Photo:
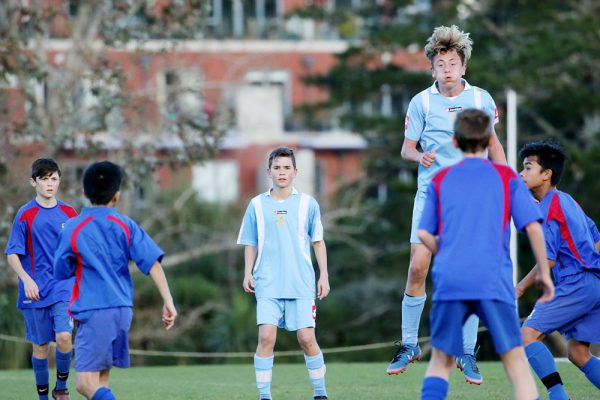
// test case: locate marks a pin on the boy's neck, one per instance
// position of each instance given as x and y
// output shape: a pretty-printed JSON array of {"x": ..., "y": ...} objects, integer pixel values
[
  {"x": 477, "y": 154},
  {"x": 451, "y": 91},
  {"x": 46, "y": 202},
  {"x": 281, "y": 193},
  {"x": 541, "y": 191}
]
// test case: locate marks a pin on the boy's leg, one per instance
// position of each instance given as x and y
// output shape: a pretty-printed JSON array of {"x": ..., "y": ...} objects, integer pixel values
[
  {"x": 517, "y": 370},
  {"x": 263, "y": 359},
  {"x": 435, "y": 383},
  {"x": 468, "y": 361},
  {"x": 39, "y": 362},
  {"x": 38, "y": 330},
  {"x": 63, "y": 326},
  {"x": 580, "y": 355},
  {"x": 88, "y": 384},
  {"x": 315, "y": 363}
]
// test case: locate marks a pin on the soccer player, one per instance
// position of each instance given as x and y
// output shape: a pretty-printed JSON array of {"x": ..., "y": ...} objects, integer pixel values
[
  {"x": 96, "y": 247},
  {"x": 469, "y": 207},
  {"x": 428, "y": 124},
  {"x": 42, "y": 299},
  {"x": 277, "y": 230},
  {"x": 572, "y": 245}
]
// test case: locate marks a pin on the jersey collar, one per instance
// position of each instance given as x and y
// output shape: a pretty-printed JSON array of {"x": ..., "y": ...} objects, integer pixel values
[
  {"x": 434, "y": 89},
  {"x": 268, "y": 193}
]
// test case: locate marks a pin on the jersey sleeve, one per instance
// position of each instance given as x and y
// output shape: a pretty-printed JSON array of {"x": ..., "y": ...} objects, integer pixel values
[
  {"x": 522, "y": 207},
  {"x": 64, "y": 258},
  {"x": 414, "y": 122},
  {"x": 593, "y": 229},
  {"x": 143, "y": 250},
  {"x": 430, "y": 218},
  {"x": 248, "y": 235},
  {"x": 17, "y": 241},
  {"x": 315, "y": 227},
  {"x": 489, "y": 106}
]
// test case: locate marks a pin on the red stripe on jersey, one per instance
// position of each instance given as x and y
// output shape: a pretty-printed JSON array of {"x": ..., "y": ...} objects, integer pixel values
[
  {"x": 29, "y": 216},
  {"x": 555, "y": 213},
  {"x": 437, "y": 184},
  {"x": 79, "y": 261},
  {"x": 68, "y": 210},
  {"x": 506, "y": 175},
  {"x": 122, "y": 225}
]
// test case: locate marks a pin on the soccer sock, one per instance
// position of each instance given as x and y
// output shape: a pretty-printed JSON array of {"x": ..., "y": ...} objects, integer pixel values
[
  {"x": 264, "y": 373},
  {"x": 412, "y": 308},
  {"x": 40, "y": 370},
  {"x": 316, "y": 372},
  {"x": 103, "y": 393},
  {"x": 434, "y": 388},
  {"x": 543, "y": 364},
  {"x": 591, "y": 369},
  {"x": 63, "y": 364},
  {"x": 469, "y": 332}
]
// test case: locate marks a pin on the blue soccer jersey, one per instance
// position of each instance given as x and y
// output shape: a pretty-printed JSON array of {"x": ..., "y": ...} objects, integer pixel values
[
  {"x": 282, "y": 233},
  {"x": 430, "y": 121},
  {"x": 96, "y": 248},
  {"x": 469, "y": 207},
  {"x": 571, "y": 236},
  {"x": 34, "y": 238}
]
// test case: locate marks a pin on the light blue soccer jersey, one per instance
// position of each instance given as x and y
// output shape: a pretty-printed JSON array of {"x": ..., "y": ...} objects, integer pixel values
[
  {"x": 282, "y": 232},
  {"x": 430, "y": 121}
]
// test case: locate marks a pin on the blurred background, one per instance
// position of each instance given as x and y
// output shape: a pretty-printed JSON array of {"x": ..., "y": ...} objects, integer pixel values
[{"x": 190, "y": 96}]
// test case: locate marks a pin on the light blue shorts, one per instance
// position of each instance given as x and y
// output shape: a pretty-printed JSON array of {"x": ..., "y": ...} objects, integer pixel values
[
  {"x": 290, "y": 314},
  {"x": 418, "y": 207},
  {"x": 41, "y": 324}
]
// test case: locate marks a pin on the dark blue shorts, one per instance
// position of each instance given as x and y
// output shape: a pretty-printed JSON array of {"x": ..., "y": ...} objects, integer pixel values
[
  {"x": 448, "y": 317},
  {"x": 102, "y": 341},
  {"x": 42, "y": 324},
  {"x": 574, "y": 311}
]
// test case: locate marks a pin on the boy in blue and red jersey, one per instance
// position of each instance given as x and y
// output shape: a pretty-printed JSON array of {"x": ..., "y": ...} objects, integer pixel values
[
  {"x": 96, "y": 247},
  {"x": 469, "y": 207},
  {"x": 43, "y": 299},
  {"x": 572, "y": 245}
]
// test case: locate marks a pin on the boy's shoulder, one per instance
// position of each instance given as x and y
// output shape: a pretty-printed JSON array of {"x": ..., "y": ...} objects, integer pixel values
[{"x": 27, "y": 206}]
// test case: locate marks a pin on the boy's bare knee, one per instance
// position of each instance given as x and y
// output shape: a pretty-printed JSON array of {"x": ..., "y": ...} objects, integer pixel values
[
  {"x": 63, "y": 341},
  {"x": 530, "y": 335},
  {"x": 40, "y": 351},
  {"x": 578, "y": 353},
  {"x": 307, "y": 340}
]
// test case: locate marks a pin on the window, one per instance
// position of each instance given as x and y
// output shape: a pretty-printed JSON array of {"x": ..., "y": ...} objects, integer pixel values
[
  {"x": 216, "y": 180},
  {"x": 180, "y": 93}
]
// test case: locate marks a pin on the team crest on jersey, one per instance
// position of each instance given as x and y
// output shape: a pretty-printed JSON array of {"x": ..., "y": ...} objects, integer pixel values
[
  {"x": 280, "y": 217},
  {"x": 454, "y": 109},
  {"x": 406, "y": 119}
]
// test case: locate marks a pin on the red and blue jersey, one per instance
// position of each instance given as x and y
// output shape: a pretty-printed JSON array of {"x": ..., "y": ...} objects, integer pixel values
[
  {"x": 96, "y": 248},
  {"x": 571, "y": 236},
  {"x": 469, "y": 206},
  {"x": 34, "y": 238}
]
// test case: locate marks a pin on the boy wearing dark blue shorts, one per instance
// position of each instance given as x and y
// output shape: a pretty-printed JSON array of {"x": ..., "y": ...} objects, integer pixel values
[
  {"x": 96, "y": 248},
  {"x": 572, "y": 244},
  {"x": 43, "y": 299},
  {"x": 468, "y": 208}
]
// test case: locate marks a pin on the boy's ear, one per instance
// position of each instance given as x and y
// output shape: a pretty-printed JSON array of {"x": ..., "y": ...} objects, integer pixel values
[
  {"x": 32, "y": 182},
  {"x": 547, "y": 174},
  {"x": 116, "y": 197},
  {"x": 454, "y": 141}
]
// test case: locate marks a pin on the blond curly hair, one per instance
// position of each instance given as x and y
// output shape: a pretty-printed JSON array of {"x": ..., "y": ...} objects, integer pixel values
[{"x": 448, "y": 38}]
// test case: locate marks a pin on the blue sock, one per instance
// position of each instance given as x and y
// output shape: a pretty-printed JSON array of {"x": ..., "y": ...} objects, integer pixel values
[
  {"x": 434, "y": 388},
  {"x": 103, "y": 393},
  {"x": 40, "y": 370},
  {"x": 591, "y": 369},
  {"x": 316, "y": 372},
  {"x": 263, "y": 367},
  {"x": 469, "y": 332},
  {"x": 543, "y": 364},
  {"x": 412, "y": 308},
  {"x": 63, "y": 365}
]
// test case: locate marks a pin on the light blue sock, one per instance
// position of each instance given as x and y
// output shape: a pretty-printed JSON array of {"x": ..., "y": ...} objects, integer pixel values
[
  {"x": 263, "y": 367},
  {"x": 103, "y": 393},
  {"x": 469, "y": 332},
  {"x": 543, "y": 364},
  {"x": 412, "y": 308},
  {"x": 63, "y": 365},
  {"x": 316, "y": 372},
  {"x": 591, "y": 369},
  {"x": 40, "y": 370},
  {"x": 434, "y": 388}
]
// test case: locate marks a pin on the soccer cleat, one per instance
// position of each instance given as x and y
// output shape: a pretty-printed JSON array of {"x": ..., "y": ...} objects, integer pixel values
[
  {"x": 60, "y": 394},
  {"x": 467, "y": 363},
  {"x": 320, "y": 397},
  {"x": 404, "y": 356}
]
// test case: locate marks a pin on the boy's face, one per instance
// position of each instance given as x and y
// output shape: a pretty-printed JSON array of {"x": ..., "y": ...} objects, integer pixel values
[
  {"x": 447, "y": 68},
  {"x": 282, "y": 172},
  {"x": 533, "y": 174},
  {"x": 46, "y": 186}
]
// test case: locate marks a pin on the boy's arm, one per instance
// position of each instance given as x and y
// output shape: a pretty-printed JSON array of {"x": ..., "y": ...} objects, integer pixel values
[
  {"x": 321, "y": 256},
  {"x": 249, "y": 259},
  {"x": 32, "y": 292},
  {"x": 542, "y": 275},
  {"x": 496, "y": 150},
  {"x": 428, "y": 240},
  {"x": 409, "y": 152},
  {"x": 160, "y": 280}
]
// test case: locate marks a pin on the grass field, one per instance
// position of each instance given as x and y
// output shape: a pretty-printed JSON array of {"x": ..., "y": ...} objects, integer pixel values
[{"x": 346, "y": 381}]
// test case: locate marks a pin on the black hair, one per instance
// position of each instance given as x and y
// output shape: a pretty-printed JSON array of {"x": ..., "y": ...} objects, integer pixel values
[
  {"x": 282, "y": 152},
  {"x": 101, "y": 180},
  {"x": 472, "y": 130},
  {"x": 550, "y": 155},
  {"x": 43, "y": 167}
]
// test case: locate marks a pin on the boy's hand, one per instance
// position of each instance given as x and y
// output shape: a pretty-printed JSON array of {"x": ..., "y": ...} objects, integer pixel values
[
  {"x": 248, "y": 284},
  {"x": 544, "y": 282},
  {"x": 323, "y": 287},
  {"x": 169, "y": 315},
  {"x": 427, "y": 159},
  {"x": 519, "y": 290},
  {"x": 32, "y": 292}
]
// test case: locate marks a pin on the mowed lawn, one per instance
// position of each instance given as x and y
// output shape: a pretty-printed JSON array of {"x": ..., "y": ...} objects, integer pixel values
[{"x": 346, "y": 381}]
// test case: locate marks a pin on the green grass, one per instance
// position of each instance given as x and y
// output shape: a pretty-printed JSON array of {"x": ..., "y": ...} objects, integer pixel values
[{"x": 345, "y": 381}]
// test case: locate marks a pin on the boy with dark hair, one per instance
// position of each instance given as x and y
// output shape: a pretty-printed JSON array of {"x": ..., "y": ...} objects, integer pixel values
[
  {"x": 469, "y": 207},
  {"x": 572, "y": 245},
  {"x": 43, "y": 299},
  {"x": 96, "y": 248},
  {"x": 277, "y": 230}
]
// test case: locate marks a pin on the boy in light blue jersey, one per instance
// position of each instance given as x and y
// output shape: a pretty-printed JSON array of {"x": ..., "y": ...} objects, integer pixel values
[
  {"x": 277, "y": 231},
  {"x": 429, "y": 124}
]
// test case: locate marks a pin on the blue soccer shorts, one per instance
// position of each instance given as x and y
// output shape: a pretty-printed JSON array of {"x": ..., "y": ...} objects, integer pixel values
[
  {"x": 418, "y": 207},
  {"x": 289, "y": 314},
  {"x": 102, "y": 340},
  {"x": 574, "y": 311},
  {"x": 42, "y": 324},
  {"x": 448, "y": 317}
]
